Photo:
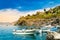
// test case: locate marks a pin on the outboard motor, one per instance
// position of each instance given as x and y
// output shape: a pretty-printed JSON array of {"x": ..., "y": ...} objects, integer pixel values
[{"x": 37, "y": 32}]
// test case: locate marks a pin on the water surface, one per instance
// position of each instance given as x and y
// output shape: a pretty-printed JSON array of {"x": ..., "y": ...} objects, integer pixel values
[{"x": 6, "y": 33}]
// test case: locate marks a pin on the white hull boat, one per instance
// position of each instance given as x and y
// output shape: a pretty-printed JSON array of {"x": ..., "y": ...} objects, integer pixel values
[{"x": 30, "y": 31}]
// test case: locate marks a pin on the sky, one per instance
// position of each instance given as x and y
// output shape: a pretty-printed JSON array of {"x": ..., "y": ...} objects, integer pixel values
[{"x": 11, "y": 10}]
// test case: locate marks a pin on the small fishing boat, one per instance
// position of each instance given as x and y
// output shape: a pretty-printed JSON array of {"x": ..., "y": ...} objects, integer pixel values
[{"x": 24, "y": 31}]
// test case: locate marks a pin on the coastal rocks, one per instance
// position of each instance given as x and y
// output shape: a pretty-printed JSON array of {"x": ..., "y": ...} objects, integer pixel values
[
  {"x": 39, "y": 22},
  {"x": 52, "y": 16},
  {"x": 56, "y": 21},
  {"x": 50, "y": 37}
]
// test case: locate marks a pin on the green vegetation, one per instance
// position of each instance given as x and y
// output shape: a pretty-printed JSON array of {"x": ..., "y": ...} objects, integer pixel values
[{"x": 40, "y": 17}]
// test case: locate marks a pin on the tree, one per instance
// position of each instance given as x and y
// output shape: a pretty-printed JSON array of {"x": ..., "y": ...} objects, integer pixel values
[
  {"x": 44, "y": 10},
  {"x": 28, "y": 15},
  {"x": 37, "y": 13}
]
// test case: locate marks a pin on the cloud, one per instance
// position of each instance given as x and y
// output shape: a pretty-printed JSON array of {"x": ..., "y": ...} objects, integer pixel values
[
  {"x": 34, "y": 11},
  {"x": 55, "y": 5},
  {"x": 11, "y": 15},
  {"x": 47, "y": 9}
]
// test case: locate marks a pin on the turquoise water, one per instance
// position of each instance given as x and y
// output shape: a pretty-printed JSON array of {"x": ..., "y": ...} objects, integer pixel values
[{"x": 6, "y": 33}]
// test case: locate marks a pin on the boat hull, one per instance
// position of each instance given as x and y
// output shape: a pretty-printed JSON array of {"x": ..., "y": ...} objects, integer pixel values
[{"x": 24, "y": 32}]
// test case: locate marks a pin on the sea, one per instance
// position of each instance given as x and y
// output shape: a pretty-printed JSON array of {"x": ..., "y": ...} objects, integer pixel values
[{"x": 6, "y": 33}]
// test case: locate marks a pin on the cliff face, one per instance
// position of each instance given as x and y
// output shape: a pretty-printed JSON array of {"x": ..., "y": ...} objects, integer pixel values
[{"x": 41, "y": 18}]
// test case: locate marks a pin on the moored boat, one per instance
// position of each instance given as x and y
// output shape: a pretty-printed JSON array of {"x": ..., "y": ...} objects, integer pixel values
[{"x": 24, "y": 31}]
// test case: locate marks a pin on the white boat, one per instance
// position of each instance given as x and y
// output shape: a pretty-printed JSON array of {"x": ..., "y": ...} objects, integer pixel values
[{"x": 26, "y": 31}]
